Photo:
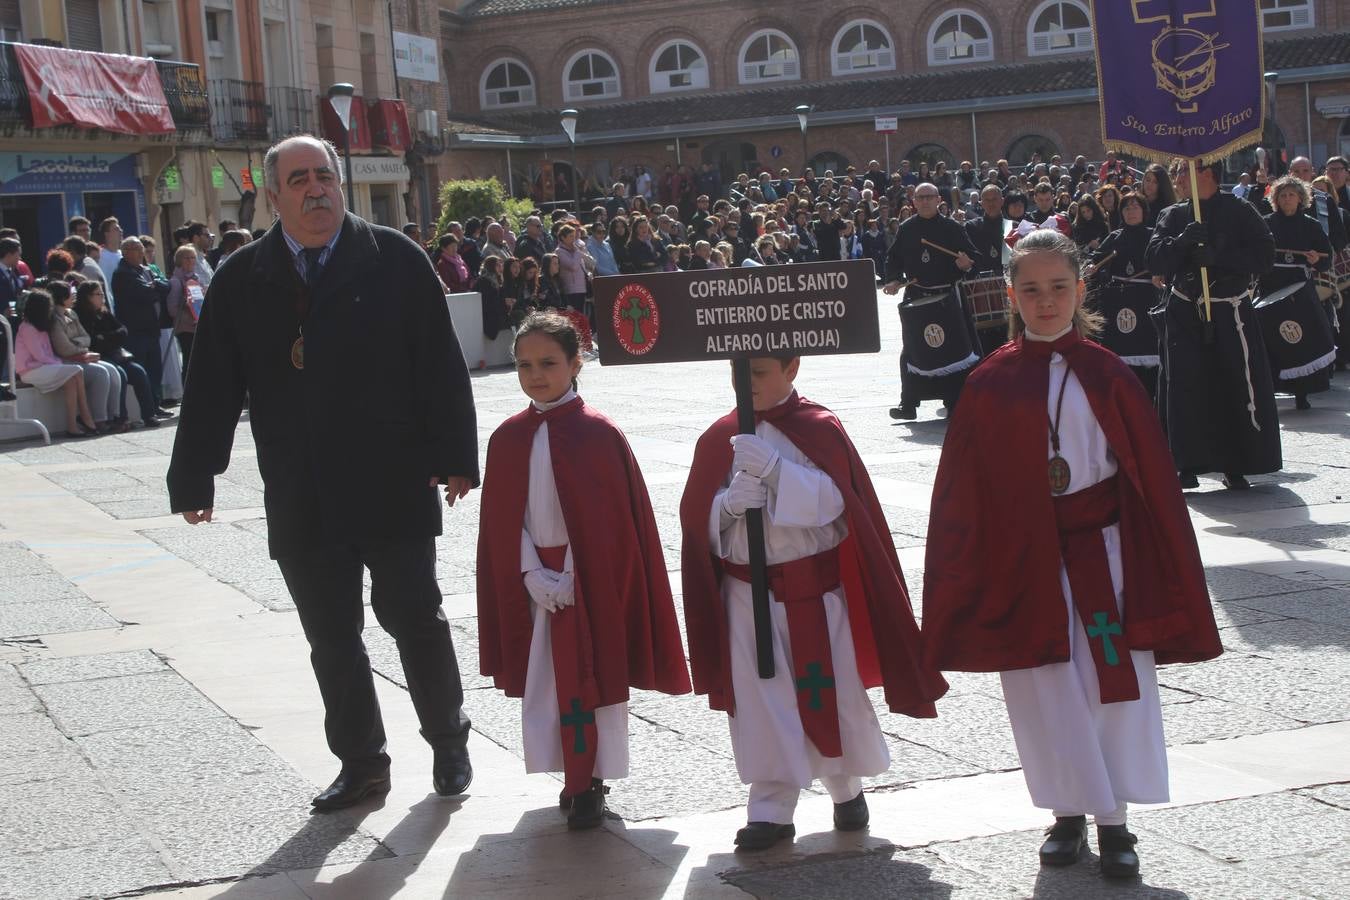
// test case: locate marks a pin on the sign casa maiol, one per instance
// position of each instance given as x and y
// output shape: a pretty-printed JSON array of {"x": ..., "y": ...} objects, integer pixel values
[{"x": 804, "y": 309}]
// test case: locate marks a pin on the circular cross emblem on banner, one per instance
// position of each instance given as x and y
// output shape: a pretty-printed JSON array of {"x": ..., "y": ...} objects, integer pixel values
[
  {"x": 637, "y": 321},
  {"x": 1291, "y": 331},
  {"x": 1126, "y": 321},
  {"x": 934, "y": 336}
]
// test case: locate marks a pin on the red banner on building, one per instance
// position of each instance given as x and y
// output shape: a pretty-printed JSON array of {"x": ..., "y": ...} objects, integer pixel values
[
  {"x": 360, "y": 125},
  {"x": 94, "y": 90},
  {"x": 389, "y": 125}
]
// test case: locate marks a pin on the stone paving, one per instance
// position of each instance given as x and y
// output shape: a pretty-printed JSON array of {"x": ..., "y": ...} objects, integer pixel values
[{"x": 161, "y": 733}]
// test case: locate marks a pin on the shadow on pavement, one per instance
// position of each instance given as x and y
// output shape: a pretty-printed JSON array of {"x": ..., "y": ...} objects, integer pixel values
[{"x": 1085, "y": 880}]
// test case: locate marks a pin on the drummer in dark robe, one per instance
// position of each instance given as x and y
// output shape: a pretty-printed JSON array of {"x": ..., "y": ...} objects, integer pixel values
[
  {"x": 928, "y": 257},
  {"x": 1301, "y": 248},
  {"x": 1123, "y": 291},
  {"x": 987, "y": 232},
  {"x": 1215, "y": 394}
]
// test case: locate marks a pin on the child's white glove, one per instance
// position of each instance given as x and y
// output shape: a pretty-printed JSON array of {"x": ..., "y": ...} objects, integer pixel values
[
  {"x": 745, "y": 492},
  {"x": 542, "y": 586},
  {"x": 755, "y": 456},
  {"x": 565, "y": 594}
]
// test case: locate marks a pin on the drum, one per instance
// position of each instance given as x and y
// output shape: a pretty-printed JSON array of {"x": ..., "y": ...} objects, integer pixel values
[
  {"x": 1326, "y": 289},
  {"x": 1297, "y": 334},
  {"x": 987, "y": 300},
  {"x": 1340, "y": 267},
  {"x": 1129, "y": 331},
  {"x": 936, "y": 335}
]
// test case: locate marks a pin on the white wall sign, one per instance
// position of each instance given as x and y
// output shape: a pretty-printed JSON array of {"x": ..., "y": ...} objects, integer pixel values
[
  {"x": 367, "y": 169},
  {"x": 887, "y": 124},
  {"x": 415, "y": 57}
]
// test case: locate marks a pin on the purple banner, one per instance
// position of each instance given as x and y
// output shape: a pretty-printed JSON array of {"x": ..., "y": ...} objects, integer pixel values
[{"x": 1179, "y": 77}]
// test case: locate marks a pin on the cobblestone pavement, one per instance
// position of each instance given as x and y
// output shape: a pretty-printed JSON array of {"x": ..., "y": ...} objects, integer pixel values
[{"x": 161, "y": 732}]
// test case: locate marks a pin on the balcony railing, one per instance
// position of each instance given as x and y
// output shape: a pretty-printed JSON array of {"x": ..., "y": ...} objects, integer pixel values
[
  {"x": 238, "y": 110},
  {"x": 291, "y": 112},
  {"x": 184, "y": 90}
]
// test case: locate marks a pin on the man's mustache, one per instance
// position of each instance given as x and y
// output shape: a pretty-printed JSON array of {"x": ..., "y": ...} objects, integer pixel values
[{"x": 313, "y": 203}]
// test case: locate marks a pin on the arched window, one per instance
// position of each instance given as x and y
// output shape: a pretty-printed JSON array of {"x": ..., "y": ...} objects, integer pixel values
[
  {"x": 1277, "y": 15},
  {"x": 1024, "y": 148},
  {"x": 1059, "y": 26},
  {"x": 929, "y": 153},
  {"x": 960, "y": 36},
  {"x": 829, "y": 161},
  {"x": 590, "y": 75},
  {"x": 678, "y": 66},
  {"x": 769, "y": 56},
  {"x": 862, "y": 46},
  {"x": 507, "y": 82}
]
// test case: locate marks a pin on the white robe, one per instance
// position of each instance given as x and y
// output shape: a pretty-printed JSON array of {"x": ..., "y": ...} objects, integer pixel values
[
  {"x": 540, "y": 730},
  {"x": 804, "y": 516},
  {"x": 1079, "y": 755}
]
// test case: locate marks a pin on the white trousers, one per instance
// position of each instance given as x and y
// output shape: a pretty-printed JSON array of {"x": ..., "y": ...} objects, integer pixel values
[{"x": 103, "y": 388}]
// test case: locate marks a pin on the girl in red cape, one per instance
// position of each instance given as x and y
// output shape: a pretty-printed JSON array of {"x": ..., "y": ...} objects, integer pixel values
[
  {"x": 1060, "y": 553},
  {"x": 574, "y": 605}
]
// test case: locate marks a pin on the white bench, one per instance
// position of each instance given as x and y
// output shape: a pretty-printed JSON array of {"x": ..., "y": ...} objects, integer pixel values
[
  {"x": 17, "y": 421},
  {"x": 466, "y": 314}
]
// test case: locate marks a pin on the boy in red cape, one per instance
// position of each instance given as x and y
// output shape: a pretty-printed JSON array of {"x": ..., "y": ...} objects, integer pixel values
[
  {"x": 841, "y": 620},
  {"x": 1075, "y": 587},
  {"x": 574, "y": 605}
]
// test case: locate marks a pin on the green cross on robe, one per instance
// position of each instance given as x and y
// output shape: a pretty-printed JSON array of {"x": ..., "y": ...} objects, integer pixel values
[
  {"x": 1104, "y": 631},
  {"x": 635, "y": 313},
  {"x": 815, "y": 683},
  {"x": 577, "y": 720}
]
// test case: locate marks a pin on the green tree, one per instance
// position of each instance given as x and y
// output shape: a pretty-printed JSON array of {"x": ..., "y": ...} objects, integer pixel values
[{"x": 479, "y": 197}]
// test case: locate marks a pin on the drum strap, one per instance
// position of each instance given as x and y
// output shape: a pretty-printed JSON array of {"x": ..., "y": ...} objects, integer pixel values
[{"x": 1235, "y": 303}]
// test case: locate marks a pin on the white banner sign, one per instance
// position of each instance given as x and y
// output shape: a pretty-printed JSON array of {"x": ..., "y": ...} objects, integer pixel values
[
  {"x": 366, "y": 169},
  {"x": 887, "y": 124},
  {"x": 415, "y": 57}
]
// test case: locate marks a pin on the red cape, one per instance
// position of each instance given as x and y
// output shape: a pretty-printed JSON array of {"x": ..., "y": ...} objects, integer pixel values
[
  {"x": 885, "y": 638},
  {"x": 992, "y": 599},
  {"x": 619, "y": 568}
]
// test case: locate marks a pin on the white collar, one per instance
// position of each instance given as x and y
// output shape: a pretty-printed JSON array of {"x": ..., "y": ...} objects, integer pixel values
[
  {"x": 1044, "y": 339},
  {"x": 554, "y": 404}
]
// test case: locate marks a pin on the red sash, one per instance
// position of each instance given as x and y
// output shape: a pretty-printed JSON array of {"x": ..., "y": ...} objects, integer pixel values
[
  {"x": 800, "y": 586},
  {"x": 576, "y": 712},
  {"x": 1081, "y": 517}
]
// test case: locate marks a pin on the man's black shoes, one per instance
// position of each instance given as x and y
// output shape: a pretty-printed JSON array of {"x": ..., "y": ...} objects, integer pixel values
[
  {"x": 763, "y": 835},
  {"x": 851, "y": 815},
  {"x": 587, "y": 809},
  {"x": 350, "y": 788},
  {"x": 451, "y": 772},
  {"x": 1115, "y": 845},
  {"x": 1065, "y": 841},
  {"x": 1189, "y": 481},
  {"x": 906, "y": 413},
  {"x": 1236, "y": 482}
]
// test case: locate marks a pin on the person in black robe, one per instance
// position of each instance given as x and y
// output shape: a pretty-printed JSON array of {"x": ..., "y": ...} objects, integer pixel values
[
  {"x": 1302, "y": 248},
  {"x": 827, "y": 229},
  {"x": 1215, "y": 394},
  {"x": 987, "y": 232},
  {"x": 929, "y": 270},
  {"x": 1120, "y": 280}
]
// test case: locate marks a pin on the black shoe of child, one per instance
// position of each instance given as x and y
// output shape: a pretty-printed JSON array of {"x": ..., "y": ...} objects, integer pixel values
[
  {"x": 1301, "y": 402},
  {"x": 1115, "y": 845},
  {"x": 763, "y": 835},
  {"x": 908, "y": 413},
  {"x": 1189, "y": 481},
  {"x": 1065, "y": 841},
  {"x": 564, "y": 801},
  {"x": 1235, "y": 482},
  {"x": 851, "y": 815},
  {"x": 588, "y": 807}
]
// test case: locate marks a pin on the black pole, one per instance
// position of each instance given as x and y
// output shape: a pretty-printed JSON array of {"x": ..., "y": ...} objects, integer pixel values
[
  {"x": 806, "y": 160},
  {"x": 576, "y": 183},
  {"x": 754, "y": 522},
  {"x": 347, "y": 154}
]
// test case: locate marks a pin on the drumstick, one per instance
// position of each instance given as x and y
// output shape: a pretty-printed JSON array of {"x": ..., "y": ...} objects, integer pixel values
[
  {"x": 951, "y": 253},
  {"x": 1092, "y": 269},
  {"x": 1319, "y": 253}
]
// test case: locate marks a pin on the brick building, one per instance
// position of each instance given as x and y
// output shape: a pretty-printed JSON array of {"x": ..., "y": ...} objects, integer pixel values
[{"x": 661, "y": 82}]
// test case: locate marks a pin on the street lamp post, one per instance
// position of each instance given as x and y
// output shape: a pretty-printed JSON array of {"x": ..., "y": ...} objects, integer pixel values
[
  {"x": 1276, "y": 136},
  {"x": 569, "y": 124},
  {"x": 340, "y": 98},
  {"x": 802, "y": 112}
]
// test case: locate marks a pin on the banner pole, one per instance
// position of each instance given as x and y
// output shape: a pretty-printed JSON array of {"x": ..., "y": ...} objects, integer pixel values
[
  {"x": 754, "y": 522},
  {"x": 1195, "y": 206}
]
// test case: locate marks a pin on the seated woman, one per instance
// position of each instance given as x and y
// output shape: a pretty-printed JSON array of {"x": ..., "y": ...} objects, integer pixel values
[
  {"x": 496, "y": 306},
  {"x": 39, "y": 366},
  {"x": 106, "y": 335},
  {"x": 103, "y": 382}
]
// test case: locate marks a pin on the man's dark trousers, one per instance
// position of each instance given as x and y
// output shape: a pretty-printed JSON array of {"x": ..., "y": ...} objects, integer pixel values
[{"x": 326, "y": 586}]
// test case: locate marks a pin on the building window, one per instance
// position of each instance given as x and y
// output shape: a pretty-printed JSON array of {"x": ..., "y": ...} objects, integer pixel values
[
  {"x": 828, "y": 161},
  {"x": 769, "y": 56},
  {"x": 1277, "y": 15},
  {"x": 1021, "y": 151},
  {"x": 863, "y": 46},
  {"x": 11, "y": 21},
  {"x": 84, "y": 25},
  {"x": 678, "y": 66},
  {"x": 590, "y": 75},
  {"x": 507, "y": 83},
  {"x": 1061, "y": 26},
  {"x": 159, "y": 28},
  {"x": 928, "y": 153},
  {"x": 959, "y": 37}
]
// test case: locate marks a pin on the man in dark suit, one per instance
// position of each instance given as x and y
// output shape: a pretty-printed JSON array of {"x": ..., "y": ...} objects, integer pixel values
[{"x": 283, "y": 320}]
